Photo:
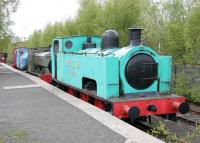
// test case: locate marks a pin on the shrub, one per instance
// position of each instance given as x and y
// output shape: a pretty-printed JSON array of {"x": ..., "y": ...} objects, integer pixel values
[
  {"x": 161, "y": 131},
  {"x": 195, "y": 95},
  {"x": 182, "y": 85},
  {"x": 183, "y": 88}
]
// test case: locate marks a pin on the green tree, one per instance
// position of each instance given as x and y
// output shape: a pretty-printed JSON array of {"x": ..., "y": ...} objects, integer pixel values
[
  {"x": 192, "y": 37},
  {"x": 87, "y": 18},
  {"x": 153, "y": 19},
  {"x": 121, "y": 15},
  {"x": 174, "y": 42},
  {"x": 35, "y": 40},
  {"x": 6, "y": 8},
  {"x": 70, "y": 27},
  {"x": 47, "y": 35},
  {"x": 5, "y": 43},
  {"x": 171, "y": 26},
  {"x": 96, "y": 16}
]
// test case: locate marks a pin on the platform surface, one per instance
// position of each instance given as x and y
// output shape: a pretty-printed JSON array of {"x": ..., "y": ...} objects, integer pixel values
[{"x": 31, "y": 111}]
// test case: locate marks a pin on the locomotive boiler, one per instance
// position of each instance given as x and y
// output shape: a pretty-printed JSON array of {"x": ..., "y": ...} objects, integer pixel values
[{"x": 130, "y": 82}]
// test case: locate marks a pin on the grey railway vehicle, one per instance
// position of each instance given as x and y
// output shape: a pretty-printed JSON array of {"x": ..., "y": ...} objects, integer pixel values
[{"x": 39, "y": 61}]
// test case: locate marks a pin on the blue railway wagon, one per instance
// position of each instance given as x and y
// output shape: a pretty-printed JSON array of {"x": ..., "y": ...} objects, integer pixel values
[{"x": 21, "y": 55}]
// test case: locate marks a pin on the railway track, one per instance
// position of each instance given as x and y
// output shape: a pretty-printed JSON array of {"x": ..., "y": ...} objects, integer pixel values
[
  {"x": 190, "y": 118},
  {"x": 195, "y": 108}
]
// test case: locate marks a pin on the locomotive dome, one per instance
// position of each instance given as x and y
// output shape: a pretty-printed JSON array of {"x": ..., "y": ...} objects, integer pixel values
[{"x": 110, "y": 39}]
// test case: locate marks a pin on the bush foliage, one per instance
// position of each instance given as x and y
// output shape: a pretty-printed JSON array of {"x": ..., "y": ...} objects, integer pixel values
[
  {"x": 162, "y": 132},
  {"x": 184, "y": 88}
]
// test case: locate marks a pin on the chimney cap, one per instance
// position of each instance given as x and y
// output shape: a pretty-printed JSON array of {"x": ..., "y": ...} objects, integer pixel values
[{"x": 135, "y": 28}]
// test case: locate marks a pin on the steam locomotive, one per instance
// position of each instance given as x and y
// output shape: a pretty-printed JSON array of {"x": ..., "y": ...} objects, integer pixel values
[{"x": 130, "y": 82}]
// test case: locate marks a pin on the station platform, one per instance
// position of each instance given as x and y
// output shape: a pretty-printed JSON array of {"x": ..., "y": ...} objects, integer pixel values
[{"x": 33, "y": 111}]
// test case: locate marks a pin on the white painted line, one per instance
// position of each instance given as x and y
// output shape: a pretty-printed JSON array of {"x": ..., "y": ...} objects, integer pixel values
[
  {"x": 132, "y": 134},
  {"x": 21, "y": 86},
  {"x": 7, "y": 72}
]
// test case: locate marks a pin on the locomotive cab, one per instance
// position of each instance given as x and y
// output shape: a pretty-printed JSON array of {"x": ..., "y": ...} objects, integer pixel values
[{"x": 75, "y": 45}]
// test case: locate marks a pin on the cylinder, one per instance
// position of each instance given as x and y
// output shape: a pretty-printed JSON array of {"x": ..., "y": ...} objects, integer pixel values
[
  {"x": 110, "y": 39},
  {"x": 135, "y": 36}
]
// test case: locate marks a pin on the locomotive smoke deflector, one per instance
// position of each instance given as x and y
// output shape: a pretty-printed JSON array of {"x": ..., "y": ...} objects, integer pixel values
[
  {"x": 135, "y": 36},
  {"x": 110, "y": 39}
]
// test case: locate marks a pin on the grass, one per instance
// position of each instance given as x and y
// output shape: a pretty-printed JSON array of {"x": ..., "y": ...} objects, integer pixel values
[
  {"x": 161, "y": 131},
  {"x": 19, "y": 134},
  {"x": 14, "y": 135},
  {"x": 2, "y": 140}
]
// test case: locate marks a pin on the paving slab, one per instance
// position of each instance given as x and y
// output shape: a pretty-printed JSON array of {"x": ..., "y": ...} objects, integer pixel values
[{"x": 45, "y": 114}]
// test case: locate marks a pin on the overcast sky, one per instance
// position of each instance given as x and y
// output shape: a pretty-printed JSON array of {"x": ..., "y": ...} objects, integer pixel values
[{"x": 36, "y": 14}]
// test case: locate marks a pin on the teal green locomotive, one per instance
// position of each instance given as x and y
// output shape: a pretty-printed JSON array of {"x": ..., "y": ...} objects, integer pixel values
[{"x": 130, "y": 82}]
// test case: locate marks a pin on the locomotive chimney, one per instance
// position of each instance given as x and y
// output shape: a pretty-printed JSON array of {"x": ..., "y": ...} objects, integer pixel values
[{"x": 135, "y": 36}]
